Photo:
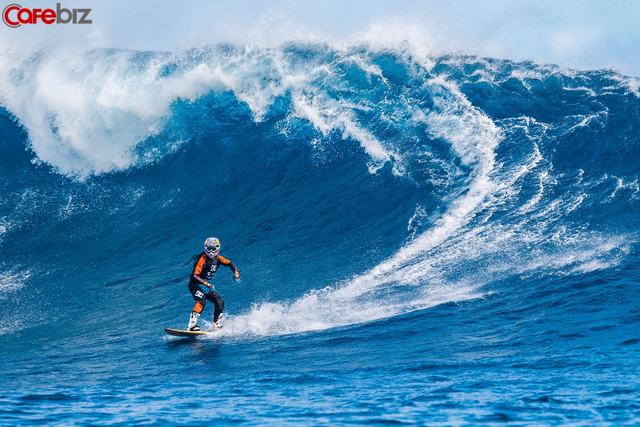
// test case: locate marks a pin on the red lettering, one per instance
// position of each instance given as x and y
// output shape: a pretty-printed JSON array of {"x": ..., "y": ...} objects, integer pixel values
[
  {"x": 36, "y": 15},
  {"x": 8, "y": 21},
  {"x": 29, "y": 16},
  {"x": 48, "y": 16}
]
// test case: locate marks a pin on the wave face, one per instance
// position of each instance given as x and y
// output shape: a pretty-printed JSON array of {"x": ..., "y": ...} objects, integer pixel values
[{"x": 459, "y": 228}]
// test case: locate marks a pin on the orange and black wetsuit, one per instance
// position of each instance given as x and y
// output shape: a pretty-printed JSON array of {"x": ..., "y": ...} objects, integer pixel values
[{"x": 203, "y": 270}]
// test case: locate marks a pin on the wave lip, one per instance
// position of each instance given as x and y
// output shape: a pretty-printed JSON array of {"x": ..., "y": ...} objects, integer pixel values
[{"x": 91, "y": 113}]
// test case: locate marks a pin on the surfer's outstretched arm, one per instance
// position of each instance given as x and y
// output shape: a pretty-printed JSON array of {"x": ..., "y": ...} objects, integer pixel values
[{"x": 233, "y": 268}]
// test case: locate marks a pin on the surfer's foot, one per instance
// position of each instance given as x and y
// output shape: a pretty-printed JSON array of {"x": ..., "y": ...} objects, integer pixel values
[
  {"x": 193, "y": 318},
  {"x": 218, "y": 323}
]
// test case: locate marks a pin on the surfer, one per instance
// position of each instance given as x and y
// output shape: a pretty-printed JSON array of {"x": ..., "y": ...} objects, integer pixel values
[{"x": 204, "y": 267}]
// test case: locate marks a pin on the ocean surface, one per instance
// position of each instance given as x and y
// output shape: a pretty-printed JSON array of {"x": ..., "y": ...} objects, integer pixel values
[{"x": 424, "y": 239}]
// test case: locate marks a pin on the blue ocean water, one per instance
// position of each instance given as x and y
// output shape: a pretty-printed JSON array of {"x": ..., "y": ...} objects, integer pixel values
[{"x": 423, "y": 239}]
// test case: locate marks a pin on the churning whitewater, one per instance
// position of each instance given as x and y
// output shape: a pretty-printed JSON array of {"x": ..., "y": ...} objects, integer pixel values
[{"x": 463, "y": 230}]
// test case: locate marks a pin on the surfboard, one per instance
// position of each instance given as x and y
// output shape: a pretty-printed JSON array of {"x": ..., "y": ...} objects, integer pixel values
[{"x": 179, "y": 333}]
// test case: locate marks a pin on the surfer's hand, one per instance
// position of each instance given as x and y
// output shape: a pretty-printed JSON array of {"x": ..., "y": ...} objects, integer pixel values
[{"x": 237, "y": 278}]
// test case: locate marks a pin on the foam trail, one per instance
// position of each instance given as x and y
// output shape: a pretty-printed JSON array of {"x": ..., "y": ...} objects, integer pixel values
[
  {"x": 461, "y": 252},
  {"x": 473, "y": 137}
]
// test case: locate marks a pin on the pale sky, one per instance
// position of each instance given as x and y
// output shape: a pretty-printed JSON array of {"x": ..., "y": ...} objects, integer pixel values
[{"x": 583, "y": 34}]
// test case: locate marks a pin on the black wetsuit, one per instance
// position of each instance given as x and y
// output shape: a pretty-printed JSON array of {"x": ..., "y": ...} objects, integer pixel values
[{"x": 204, "y": 269}]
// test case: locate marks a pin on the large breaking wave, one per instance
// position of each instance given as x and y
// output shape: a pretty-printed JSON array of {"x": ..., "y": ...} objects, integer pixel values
[{"x": 349, "y": 183}]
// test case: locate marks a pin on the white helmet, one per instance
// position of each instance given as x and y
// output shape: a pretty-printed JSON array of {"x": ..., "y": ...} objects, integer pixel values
[{"x": 212, "y": 247}]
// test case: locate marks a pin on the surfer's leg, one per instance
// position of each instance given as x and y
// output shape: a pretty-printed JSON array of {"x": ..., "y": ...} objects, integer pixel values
[
  {"x": 200, "y": 298},
  {"x": 217, "y": 300}
]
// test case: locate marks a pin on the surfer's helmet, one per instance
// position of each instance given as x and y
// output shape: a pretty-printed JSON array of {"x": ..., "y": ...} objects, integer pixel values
[{"x": 212, "y": 247}]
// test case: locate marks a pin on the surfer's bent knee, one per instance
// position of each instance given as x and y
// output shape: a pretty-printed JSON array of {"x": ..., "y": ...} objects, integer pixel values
[{"x": 198, "y": 307}]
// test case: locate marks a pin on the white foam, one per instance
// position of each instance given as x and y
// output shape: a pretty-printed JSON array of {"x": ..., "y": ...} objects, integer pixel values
[
  {"x": 4, "y": 227},
  {"x": 410, "y": 279},
  {"x": 473, "y": 137},
  {"x": 325, "y": 309},
  {"x": 462, "y": 251},
  {"x": 632, "y": 186},
  {"x": 12, "y": 281},
  {"x": 88, "y": 112},
  {"x": 329, "y": 115},
  {"x": 633, "y": 83}
]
